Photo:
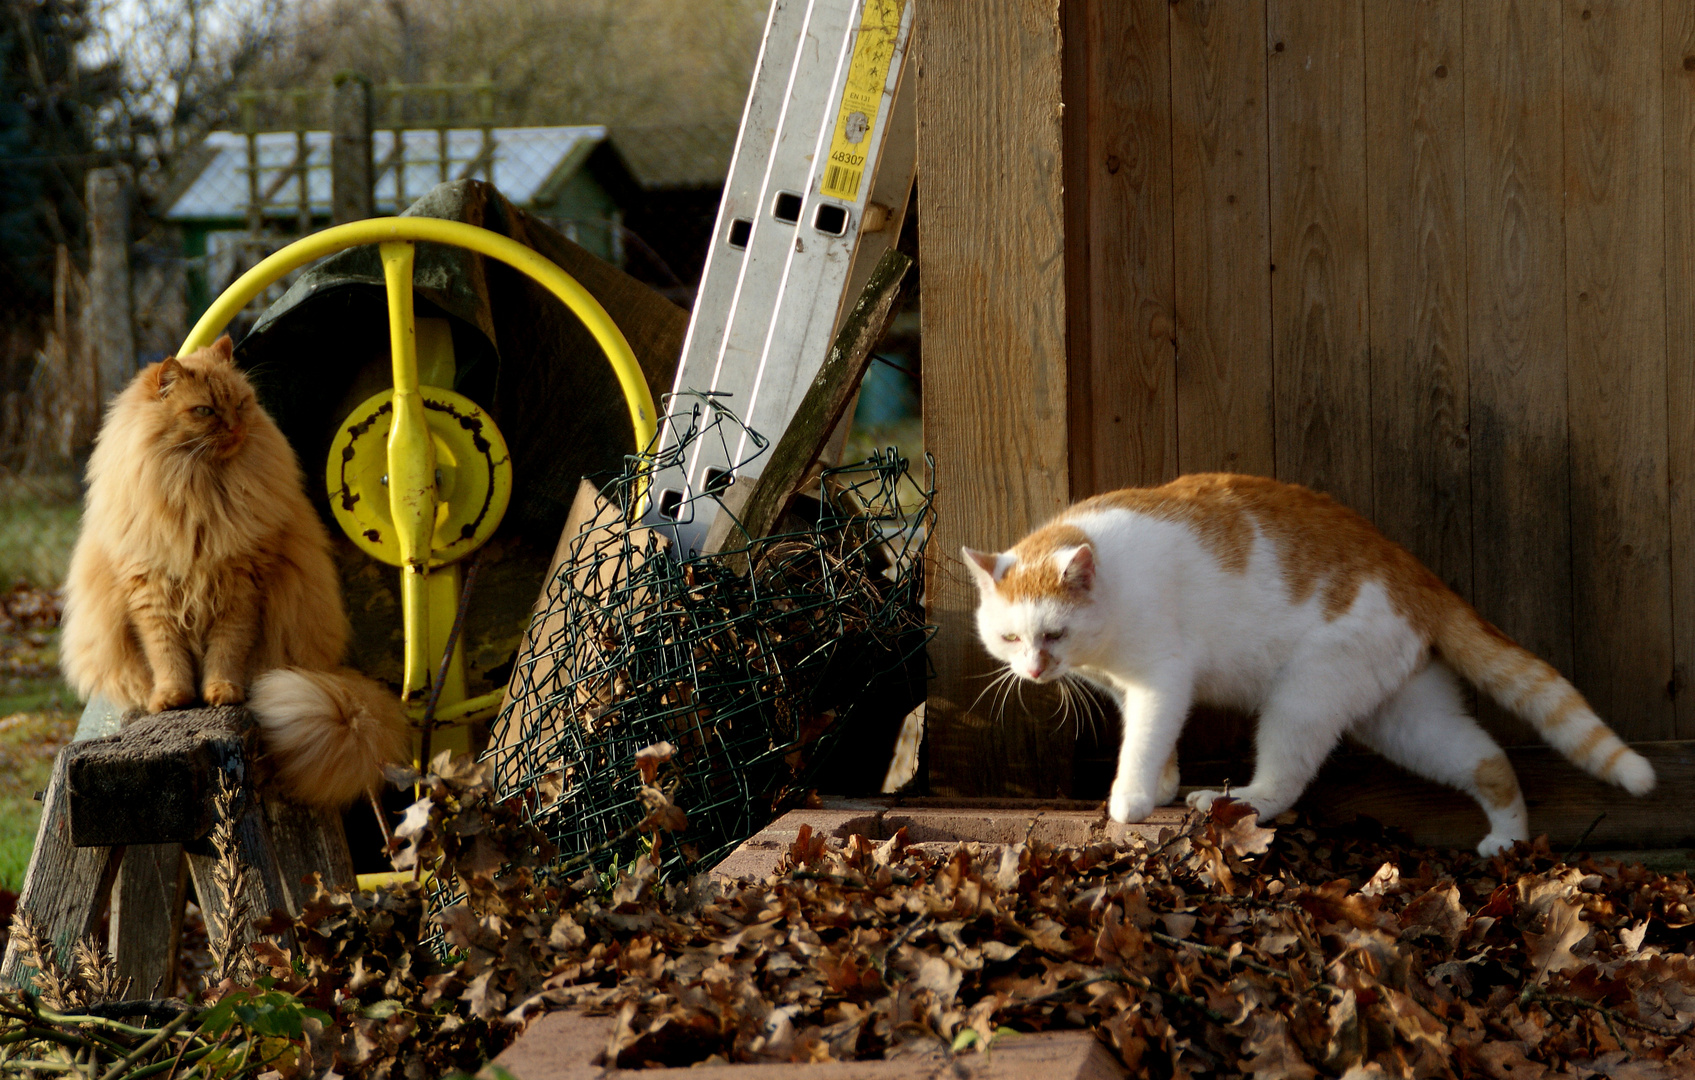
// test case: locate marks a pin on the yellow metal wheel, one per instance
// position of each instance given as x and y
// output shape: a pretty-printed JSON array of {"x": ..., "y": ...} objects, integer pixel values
[
  {"x": 430, "y": 520},
  {"x": 473, "y": 476}
]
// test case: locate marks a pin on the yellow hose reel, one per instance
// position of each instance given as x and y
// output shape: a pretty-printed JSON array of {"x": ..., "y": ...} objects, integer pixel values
[{"x": 419, "y": 476}]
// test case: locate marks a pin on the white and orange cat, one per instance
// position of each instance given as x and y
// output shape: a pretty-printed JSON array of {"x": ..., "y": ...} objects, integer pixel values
[
  {"x": 1247, "y": 593},
  {"x": 202, "y": 573}
]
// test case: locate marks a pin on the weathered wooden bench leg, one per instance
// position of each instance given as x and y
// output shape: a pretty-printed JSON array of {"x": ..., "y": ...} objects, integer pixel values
[
  {"x": 264, "y": 878},
  {"x": 147, "y": 904},
  {"x": 308, "y": 841},
  {"x": 66, "y": 887}
]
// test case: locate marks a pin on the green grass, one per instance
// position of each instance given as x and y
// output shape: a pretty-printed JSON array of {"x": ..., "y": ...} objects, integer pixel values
[
  {"x": 38, "y": 524},
  {"x": 28, "y": 743}
]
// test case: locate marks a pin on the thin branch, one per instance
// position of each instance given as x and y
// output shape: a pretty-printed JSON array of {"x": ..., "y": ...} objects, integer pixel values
[
  {"x": 1610, "y": 1014},
  {"x": 149, "y": 1046}
]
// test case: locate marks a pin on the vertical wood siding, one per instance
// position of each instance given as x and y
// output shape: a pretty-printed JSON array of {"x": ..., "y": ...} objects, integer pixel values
[
  {"x": 1434, "y": 257},
  {"x": 992, "y": 244}
]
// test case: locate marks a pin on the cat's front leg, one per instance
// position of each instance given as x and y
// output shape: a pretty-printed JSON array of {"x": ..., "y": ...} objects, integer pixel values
[
  {"x": 1147, "y": 757},
  {"x": 161, "y": 637},
  {"x": 229, "y": 641}
]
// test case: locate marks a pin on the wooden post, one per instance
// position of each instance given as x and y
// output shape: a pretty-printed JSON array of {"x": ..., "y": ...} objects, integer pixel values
[
  {"x": 146, "y": 917},
  {"x": 111, "y": 324},
  {"x": 352, "y": 172},
  {"x": 992, "y": 248}
]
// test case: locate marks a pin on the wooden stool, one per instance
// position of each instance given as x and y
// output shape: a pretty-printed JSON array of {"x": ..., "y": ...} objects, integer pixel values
[{"x": 128, "y": 817}]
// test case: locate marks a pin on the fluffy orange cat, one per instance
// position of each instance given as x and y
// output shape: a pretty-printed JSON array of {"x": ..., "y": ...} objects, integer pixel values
[{"x": 202, "y": 572}]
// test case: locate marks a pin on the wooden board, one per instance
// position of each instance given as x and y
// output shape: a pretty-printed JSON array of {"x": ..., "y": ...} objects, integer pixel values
[
  {"x": 992, "y": 249},
  {"x": 1123, "y": 376},
  {"x": 1415, "y": 153},
  {"x": 1222, "y": 233},
  {"x": 1616, "y": 353},
  {"x": 1436, "y": 258},
  {"x": 263, "y": 892},
  {"x": 66, "y": 887},
  {"x": 1318, "y": 250},
  {"x": 307, "y": 841},
  {"x": 1563, "y": 801},
  {"x": 1677, "y": 67},
  {"x": 568, "y": 1045},
  {"x": 146, "y": 919},
  {"x": 1515, "y": 258}
]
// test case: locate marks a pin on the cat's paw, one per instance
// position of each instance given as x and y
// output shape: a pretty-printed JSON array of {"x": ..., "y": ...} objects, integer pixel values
[
  {"x": 1125, "y": 807},
  {"x": 1495, "y": 843},
  {"x": 222, "y": 692},
  {"x": 169, "y": 697},
  {"x": 1203, "y": 800}
]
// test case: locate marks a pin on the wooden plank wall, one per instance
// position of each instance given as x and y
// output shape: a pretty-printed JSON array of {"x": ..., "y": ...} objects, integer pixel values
[
  {"x": 992, "y": 244},
  {"x": 1435, "y": 257}
]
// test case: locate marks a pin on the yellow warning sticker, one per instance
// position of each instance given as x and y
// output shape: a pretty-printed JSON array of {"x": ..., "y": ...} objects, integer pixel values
[{"x": 862, "y": 99}]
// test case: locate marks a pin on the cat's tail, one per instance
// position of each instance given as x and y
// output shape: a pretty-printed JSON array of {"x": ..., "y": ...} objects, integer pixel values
[
  {"x": 330, "y": 732},
  {"x": 1529, "y": 688}
]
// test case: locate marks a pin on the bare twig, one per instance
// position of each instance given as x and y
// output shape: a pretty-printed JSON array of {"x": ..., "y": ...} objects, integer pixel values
[
  {"x": 1610, "y": 1014},
  {"x": 149, "y": 1046}
]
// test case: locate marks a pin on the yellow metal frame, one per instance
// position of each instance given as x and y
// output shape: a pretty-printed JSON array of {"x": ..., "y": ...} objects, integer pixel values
[{"x": 410, "y": 449}]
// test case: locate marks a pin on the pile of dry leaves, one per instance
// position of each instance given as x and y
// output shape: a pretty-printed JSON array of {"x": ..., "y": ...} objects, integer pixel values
[
  {"x": 1223, "y": 950},
  {"x": 28, "y": 616}
]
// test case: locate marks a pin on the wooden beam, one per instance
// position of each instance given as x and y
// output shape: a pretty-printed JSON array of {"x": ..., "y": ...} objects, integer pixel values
[
  {"x": 1562, "y": 799},
  {"x": 109, "y": 321},
  {"x": 65, "y": 888},
  {"x": 1420, "y": 407},
  {"x": 1123, "y": 362},
  {"x": 352, "y": 175},
  {"x": 146, "y": 918},
  {"x": 1615, "y": 322},
  {"x": 1320, "y": 336},
  {"x": 1520, "y": 477},
  {"x": 992, "y": 249},
  {"x": 1221, "y": 228},
  {"x": 156, "y": 782},
  {"x": 1678, "y": 72}
]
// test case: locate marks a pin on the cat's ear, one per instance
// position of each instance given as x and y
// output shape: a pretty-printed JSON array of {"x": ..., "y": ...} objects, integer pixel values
[
  {"x": 169, "y": 372},
  {"x": 1077, "y": 567},
  {"x": 223, "y": 350},
  {"x": 983, "y": 565}
]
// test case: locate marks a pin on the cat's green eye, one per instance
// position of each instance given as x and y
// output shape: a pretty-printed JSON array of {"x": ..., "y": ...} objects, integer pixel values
[
  {"x": 1009, "y": 637},
  {"x": 1053, "y": 635},
  {"x": 204, "y": 410}
]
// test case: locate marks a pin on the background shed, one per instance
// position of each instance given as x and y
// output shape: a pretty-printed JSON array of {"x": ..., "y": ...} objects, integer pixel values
[{"x": 1434, "y": 257}]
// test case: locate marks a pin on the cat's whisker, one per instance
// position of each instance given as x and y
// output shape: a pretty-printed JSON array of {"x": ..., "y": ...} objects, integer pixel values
[
  {"x": 1063, "y": 712},
  {"x": 1011, "y": 683},
  {"x": 997, "y": 676},
  {"x": 1004, "y": 690}
]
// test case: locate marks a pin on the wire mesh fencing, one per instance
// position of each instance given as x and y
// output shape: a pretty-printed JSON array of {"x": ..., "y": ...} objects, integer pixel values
[{"x": 753, "y": 662}]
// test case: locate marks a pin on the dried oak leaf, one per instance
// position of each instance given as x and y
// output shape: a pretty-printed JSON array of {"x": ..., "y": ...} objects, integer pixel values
[
  {"x": 662, "y": 813},
  {"x": 1550, "y": 950},
  {"x": 649, "y": 758},
  {"x": 1270, "y": 1054},
  {"x": 1243, "y": 836},
  {"x": 1436, "y": 914},
  {"x": 1503, "y": 1060}
]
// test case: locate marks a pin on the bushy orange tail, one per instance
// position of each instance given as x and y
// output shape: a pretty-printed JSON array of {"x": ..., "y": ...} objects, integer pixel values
[
  {"x": 331, "y": 732},
  {"x": 1533, "y": 690}
]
